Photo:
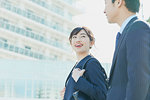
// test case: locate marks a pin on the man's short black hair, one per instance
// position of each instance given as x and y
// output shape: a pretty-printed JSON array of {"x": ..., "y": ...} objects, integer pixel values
[{"x": 132, "y": 5}]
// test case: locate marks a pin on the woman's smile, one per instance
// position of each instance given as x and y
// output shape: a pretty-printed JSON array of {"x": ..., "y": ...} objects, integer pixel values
[{"x": 78, "y": 45}]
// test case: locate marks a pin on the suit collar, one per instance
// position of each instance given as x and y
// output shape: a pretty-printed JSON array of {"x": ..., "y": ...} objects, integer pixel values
[
  {"x": 122, "y": 38},
  {"x": 124, "y": 24}
]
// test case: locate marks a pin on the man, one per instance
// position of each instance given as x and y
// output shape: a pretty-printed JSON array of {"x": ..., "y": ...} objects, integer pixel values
[{"x": 130, "y": 73}]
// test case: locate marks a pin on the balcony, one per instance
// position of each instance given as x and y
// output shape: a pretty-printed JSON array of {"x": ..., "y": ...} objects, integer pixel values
[
  {"x": 32, "y": 16},
  {"x": 49, "y": 7},
  {"x": 32, "y": 35},
  {"x": 22, "y": 51}
]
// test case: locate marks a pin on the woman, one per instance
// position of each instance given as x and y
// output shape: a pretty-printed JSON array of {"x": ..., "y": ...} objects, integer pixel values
[{"x": 90, "y": 82}]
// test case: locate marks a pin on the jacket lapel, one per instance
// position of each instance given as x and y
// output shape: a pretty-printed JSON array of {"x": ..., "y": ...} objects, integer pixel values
[{"x": 122, "y": 38}]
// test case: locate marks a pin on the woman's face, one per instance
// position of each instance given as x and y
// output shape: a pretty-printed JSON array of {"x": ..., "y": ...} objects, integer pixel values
[{"x": 81, "y": 42}]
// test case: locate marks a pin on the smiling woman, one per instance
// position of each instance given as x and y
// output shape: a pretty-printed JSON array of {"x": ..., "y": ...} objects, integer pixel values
[
  {"x": 87, "y": 78},
  {"x": 79, "y": 35}
]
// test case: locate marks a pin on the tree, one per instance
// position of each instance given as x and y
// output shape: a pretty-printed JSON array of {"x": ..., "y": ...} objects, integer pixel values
[
  {"x": 39, "y": 93},
  {"x": 148, "y": 20}
]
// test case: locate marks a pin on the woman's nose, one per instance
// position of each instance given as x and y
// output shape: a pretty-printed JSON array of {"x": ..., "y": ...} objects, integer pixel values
[{"x": 78, "y": 39}]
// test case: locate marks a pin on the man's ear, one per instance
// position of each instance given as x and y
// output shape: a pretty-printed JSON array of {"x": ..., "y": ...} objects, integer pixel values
[{"x": 119, "y": 3}]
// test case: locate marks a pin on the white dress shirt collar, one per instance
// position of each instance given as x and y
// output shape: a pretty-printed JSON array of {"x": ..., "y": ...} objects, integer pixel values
[{"x": 125, "y": 23}]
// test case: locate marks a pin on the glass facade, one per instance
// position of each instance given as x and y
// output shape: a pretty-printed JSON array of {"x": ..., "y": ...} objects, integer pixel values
[
  {"x": 28, "y": 79},
  {"x": 28, "y": 89}
]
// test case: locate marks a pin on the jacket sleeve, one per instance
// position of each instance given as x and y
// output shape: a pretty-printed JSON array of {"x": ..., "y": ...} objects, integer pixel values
[
  {"x": 94, "y": 84},
  {"x": 138, "y": 58}
]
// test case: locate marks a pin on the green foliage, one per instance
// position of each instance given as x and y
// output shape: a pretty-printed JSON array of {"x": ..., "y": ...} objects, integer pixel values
[{"x": 148, "y": 20}]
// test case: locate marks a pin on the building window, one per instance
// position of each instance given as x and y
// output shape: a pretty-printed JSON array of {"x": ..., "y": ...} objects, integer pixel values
[{"x": 27, "y": 47}]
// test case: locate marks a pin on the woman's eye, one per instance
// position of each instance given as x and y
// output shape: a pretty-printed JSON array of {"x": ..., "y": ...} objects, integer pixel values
[
  {"x": 74, "y": 37},
  {"x": 83, "y": 36}
]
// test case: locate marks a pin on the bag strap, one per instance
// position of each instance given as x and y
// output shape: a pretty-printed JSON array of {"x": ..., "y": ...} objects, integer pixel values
[{"x": 83, "y": 67}]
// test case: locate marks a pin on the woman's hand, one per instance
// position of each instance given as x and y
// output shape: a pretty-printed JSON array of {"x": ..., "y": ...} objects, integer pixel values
[
  {"x": 76, "y": 73},
  {"x": 62, "y": 92}
]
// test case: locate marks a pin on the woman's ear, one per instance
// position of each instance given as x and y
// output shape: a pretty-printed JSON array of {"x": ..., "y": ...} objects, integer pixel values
[
  {"x": 70, "y": 42},
  {"x": 92, "y": 43}
]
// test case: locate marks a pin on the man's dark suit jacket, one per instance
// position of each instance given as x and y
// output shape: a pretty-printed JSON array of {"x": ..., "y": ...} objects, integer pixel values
[
  {"x": 93, "y": 87},
  {"x": 130, "y": 73}
]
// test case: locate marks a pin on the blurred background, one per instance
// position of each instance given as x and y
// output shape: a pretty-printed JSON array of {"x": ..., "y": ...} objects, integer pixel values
[{"x": 35, "y": 54}]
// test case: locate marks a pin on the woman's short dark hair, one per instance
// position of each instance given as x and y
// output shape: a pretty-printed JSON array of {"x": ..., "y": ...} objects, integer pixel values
[
  {"x": 132, "y": 5},
  {"x": 76, "y": 30}
]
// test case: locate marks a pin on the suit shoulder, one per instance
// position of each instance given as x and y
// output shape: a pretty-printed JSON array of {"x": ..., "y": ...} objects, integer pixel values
[
  {"x": 140, "y": 24},
  {"x": 93, "y": 62},
  {"x": 139, "y": 27}
]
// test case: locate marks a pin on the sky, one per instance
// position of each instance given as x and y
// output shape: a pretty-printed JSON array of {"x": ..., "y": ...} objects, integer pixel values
[{"x": 105, "y": 33}]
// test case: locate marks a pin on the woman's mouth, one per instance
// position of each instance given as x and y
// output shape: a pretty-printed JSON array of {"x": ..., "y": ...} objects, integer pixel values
[{"x": 78, "y": 45}]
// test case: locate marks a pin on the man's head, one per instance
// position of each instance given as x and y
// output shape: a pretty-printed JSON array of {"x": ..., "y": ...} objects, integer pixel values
[
  {"x": 114, "y": 9},
  {"x": 131, "y": 5}
]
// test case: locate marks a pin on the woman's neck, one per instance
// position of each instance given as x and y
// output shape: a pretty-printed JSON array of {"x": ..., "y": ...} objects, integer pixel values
[{"x": 81, "y": 56}]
